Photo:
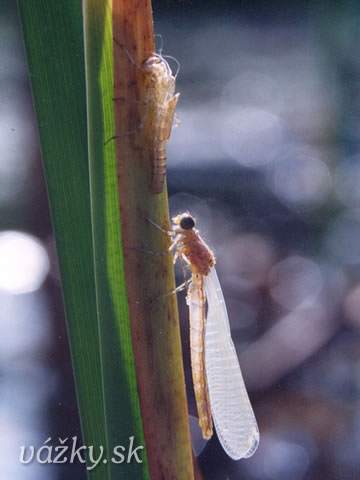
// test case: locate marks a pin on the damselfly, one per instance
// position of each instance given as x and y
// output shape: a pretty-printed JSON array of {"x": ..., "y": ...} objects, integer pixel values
[{"x": 219, "y": 387}]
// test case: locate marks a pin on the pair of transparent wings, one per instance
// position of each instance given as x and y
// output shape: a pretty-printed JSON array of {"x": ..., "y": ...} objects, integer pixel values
[{"x": 232, "y": 413}]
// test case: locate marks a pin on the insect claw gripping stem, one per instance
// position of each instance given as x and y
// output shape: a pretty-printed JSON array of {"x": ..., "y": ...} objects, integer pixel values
[
  {"x": 151, "y": 252},
  {"x": 128, "y": 54},
  {"x": 142, "y": 123},
  {"x": 167, "y": 232},
  {"x": 125, "y": 134},
  {"x": 181, "y": 287}
]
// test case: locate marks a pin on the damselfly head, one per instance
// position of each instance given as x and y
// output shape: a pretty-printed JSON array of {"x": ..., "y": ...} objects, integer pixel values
[{"x": 185, "y": 221}]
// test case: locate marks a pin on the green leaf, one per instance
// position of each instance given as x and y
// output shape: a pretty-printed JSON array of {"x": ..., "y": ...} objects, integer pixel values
[
  {"x": 122, "y": 409},
  {"x": 94, "y": 292}
]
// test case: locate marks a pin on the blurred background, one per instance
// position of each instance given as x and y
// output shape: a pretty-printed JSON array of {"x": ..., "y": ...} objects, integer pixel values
[{"x": 267, "y": 159}]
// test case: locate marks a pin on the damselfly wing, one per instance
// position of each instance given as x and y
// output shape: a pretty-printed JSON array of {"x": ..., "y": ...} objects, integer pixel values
[
  {"x": 232, "y": 412},
  {"x": 218, "y": 383}
]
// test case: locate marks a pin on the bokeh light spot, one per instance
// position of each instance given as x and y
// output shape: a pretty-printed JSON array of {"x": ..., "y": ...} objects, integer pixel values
[{"x": 24, "y": 262}]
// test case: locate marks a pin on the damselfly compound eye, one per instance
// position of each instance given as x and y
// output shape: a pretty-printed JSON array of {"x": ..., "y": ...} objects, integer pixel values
[{"x": 187, "y": 223}]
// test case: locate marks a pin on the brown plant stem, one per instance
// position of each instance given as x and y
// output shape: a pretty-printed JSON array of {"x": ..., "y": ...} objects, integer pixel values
[{"x": 155, "y": 330}]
